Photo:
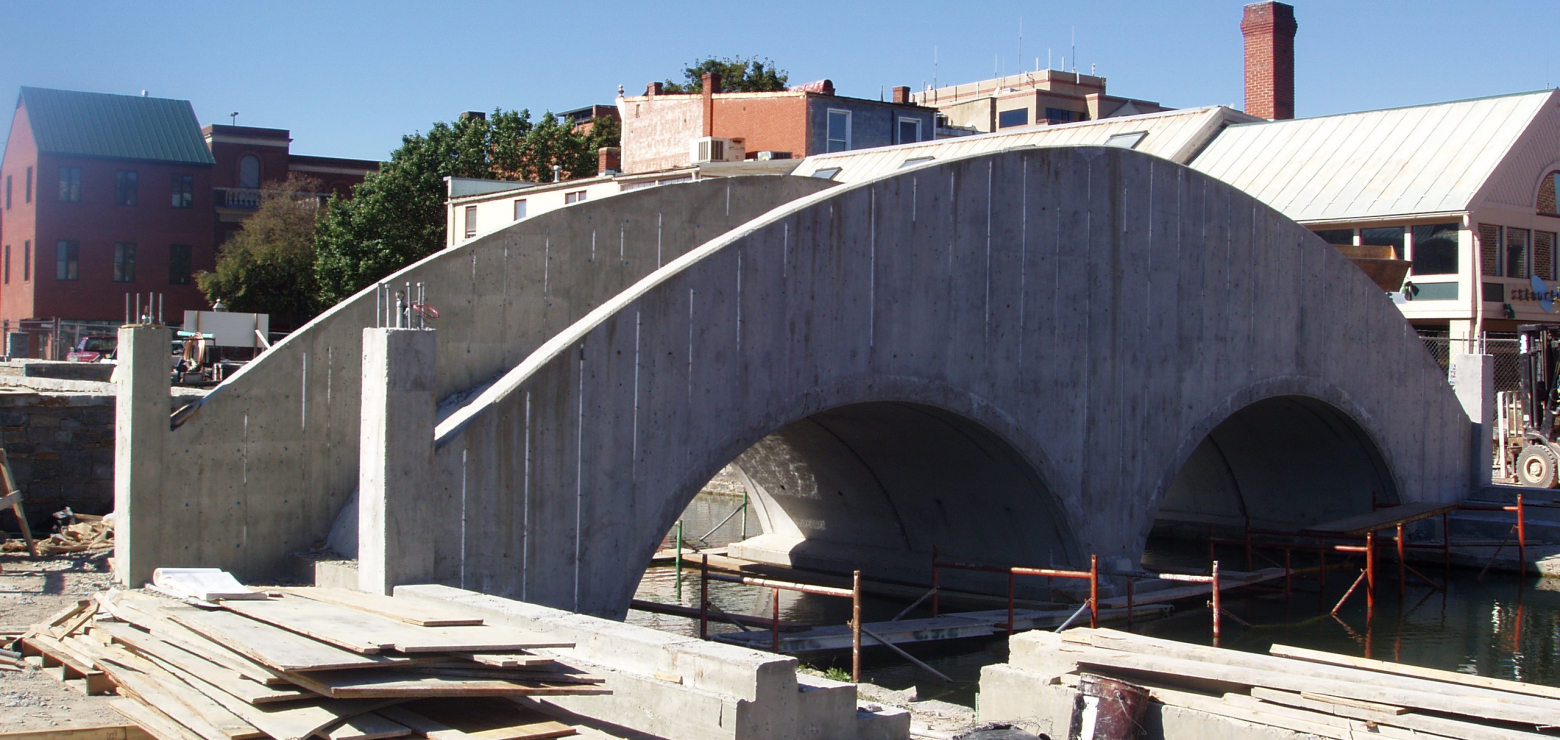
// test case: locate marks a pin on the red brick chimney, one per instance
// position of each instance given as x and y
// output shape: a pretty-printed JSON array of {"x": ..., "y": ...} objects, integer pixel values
[
  {"x": 902, "y": 94},
  {"x": 653, "y": 89},
  {"x": 609, "y": 160},
  {"x": 1269, "y": 28},
  {"x": 711, "y": 87}
]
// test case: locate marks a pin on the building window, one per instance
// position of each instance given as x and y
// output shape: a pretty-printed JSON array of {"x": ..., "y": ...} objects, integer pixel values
[
  {"x": 1384, "y": 236},
  {"x": 249, "y": 171},
  {"x": 26, "y": 261},
  {"x": 124, "y": 262},
  {"x": 909, "y": 130},
  {"x": 1547, "y": 188},
  {"x": 519, "y": 209},
  {"x": 27, "y": 184},
  {"x": 183, "y": 191},
  {"x": 1060, "y": 115},
  {"x": 179, "y": 264},
  {"x": 1517, "y": 253},
  {"x": 1435, "y": 249},
  {"x": 1126, "y": 141},
  {"x": 125, "y": 185},
  {"x": 65, "y": 253},
  {"x": 1544, "y": 254},
  {"x": 7, "y": 278},
  {"x": 577, "y": 196},
  {"x": 838, "y": 131},
  {"x": 70, "y": 184},
  {"x": 1337, "y": 237},
  {"x": 471, "y": 221},
  {"x": 1015, "y": 117}
]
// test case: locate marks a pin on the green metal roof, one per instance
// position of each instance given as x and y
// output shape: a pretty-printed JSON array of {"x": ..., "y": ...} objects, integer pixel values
[{"x": 119, "y": 126}]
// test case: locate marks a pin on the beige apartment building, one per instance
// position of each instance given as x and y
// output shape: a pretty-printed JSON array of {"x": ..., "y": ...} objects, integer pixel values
[{"x": 1045, "y": 96}]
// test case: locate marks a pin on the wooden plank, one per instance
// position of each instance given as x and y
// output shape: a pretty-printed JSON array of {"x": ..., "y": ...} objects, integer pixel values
[
  {"x": 506, "y": 660},
  {"x": 273, "y": 647},
  {"x": 152, "y": 721},
  {"x": 379, "y": 683},
  {"x": 1352, "y": 728},
  {"x": 290, "y": 720},
  {"x": 1227, "y": 581},
  {"x": 470, "y": 725},
  {"x": 369, "y": 634},
  {"x": 505, "y": 674},
  {"x": 1140, "y": 644},
  {"x": 1403, "y": 669},
  {"x": 1411, "y": 721},
  {"x": 1255, "y": 677},
  {"x": 16, "y": 504},
  {"x": 101, "y": 732},
  {"x": 491, "y": 719},
  {"x": 210, "y": 721},
  {"x": 186, "y": 639},
  {"x": 369, "y": 726},
  {"x": 1380, "y": 519},
  {"x": 410, "y": 611},
  {"x": 1217, "y": 706},
  {"x": 223, "y": 677}
]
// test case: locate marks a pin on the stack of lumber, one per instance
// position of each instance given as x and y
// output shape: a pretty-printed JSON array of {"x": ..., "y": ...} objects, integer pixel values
[
  {"x": 1308, "y": 691},
  {"x": 88, "y": 534},
  {"x": 307, "y": 662}
]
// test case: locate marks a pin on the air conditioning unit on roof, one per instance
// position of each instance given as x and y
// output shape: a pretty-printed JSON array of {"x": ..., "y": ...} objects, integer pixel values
[{"x": 717, "y": 149}]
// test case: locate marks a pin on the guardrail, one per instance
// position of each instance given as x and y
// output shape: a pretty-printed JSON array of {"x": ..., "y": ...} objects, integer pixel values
[
  {"x": 1092, "y": 575},
  {"x": 853, "y": 593}
]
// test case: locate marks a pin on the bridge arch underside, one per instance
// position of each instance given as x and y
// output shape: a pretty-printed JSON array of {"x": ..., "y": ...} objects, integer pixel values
[
  {"x": 1281, "y": 463},
  {"x": 1099, "y": 311},
  {"x": 878, "y": 485}
]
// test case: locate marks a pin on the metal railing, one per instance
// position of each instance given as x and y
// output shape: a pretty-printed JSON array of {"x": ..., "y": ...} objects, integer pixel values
[
  {"x": 853, "y": 593},
  {"x": 251, "y": 198},
  {"x": 1092, "y": 575}
]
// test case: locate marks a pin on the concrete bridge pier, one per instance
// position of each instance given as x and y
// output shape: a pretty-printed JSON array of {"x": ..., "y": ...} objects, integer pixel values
[{"x": 395, "y": 510}]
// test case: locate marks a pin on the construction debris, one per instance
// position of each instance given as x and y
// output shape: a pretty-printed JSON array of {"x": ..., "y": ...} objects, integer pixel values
[
  {"x": 1306, "y": 691},
  {"x": 89, "y": 533},
  {"x": 305, "y": 663}
]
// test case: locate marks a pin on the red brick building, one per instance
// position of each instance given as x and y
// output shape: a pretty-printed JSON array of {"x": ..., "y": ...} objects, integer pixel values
[{"x": 102, "y": 196}]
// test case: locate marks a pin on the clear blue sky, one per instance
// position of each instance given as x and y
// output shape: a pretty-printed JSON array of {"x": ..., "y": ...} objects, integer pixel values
[{"x": 349, "y": 78}]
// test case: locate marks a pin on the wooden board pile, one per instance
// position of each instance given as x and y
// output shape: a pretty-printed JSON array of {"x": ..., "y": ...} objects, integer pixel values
[
  {"x": 307, "y": 662},
  {"x": 1325, "y": 694},
  {"x": 88, "y": 534}
]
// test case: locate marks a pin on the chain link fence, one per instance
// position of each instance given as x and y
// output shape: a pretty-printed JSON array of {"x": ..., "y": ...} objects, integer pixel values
[{"x": 1502, "y": 346}]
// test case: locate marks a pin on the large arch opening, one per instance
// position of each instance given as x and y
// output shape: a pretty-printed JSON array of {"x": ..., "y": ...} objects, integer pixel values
[{"x": 1281, "y": 463}]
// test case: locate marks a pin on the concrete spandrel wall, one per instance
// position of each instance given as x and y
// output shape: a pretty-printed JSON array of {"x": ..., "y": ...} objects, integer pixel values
[
  {"x": 1099, "y": 310},
  {"x": 266, "y": 463}
]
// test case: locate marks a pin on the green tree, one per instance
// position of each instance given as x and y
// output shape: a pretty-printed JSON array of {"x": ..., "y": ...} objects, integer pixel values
[
  {"x": 737, "y": 74},
  {"x": 396, "y": 216},
  {"x": 268, "y": 265}
]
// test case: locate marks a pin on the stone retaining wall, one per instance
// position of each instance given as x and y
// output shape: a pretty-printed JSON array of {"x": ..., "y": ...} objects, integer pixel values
[{"x": 61, "y": 450}]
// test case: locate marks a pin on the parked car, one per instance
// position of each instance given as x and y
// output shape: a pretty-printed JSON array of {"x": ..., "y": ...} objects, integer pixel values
[{"x": 93, "y": 349}]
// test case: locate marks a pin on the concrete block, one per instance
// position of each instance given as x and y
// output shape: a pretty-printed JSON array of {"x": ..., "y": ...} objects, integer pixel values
[
  {"x": 883, "y": 723},
  {"x": 1027, "y": 700},
  {"x": 825, "y": 709}
]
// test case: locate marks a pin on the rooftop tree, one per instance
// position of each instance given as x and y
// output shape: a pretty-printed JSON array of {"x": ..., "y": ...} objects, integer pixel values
[{"x": 752, "y": 74}]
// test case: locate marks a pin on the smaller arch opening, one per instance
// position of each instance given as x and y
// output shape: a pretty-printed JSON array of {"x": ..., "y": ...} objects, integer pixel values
[
  {"x": 1281, "y": 463},
  {"x": 249, "y": 171}
]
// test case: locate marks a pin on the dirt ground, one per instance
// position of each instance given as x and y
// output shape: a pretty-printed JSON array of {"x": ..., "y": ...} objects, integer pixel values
[{"x": 30, "y": 591}]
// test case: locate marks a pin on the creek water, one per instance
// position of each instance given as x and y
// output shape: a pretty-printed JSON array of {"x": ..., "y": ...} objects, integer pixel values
[{"x": 1499, "y": 625}]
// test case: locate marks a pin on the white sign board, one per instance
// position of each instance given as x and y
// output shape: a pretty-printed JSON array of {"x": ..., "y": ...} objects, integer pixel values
[{"x": 230, "y": 329}]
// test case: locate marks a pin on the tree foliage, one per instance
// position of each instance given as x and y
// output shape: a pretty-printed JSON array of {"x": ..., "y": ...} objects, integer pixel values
[
  {"x": 268, "y": 265},
  {"x": 396, "y": 216},
  {"x": 737, "y": 74}
]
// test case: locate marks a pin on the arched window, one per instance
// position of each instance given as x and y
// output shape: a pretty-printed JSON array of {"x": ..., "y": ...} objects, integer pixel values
[
  {"x": 249, "y": 171},
  {"x": 1546, "y": 194}
]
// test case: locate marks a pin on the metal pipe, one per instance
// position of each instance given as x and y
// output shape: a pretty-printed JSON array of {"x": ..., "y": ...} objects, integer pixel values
[
  {"x": 1094, "y": 591},
  {"x": 704, "y": 597},
  {"x": 733, "y": 513},
  {"x": 1217, "y": 605},
  {"x": 774, "y": 624},
  {"x": 913, "y": 605},
  {"x": 678, "y": 558},
  {"x": 1010, "y": 603},
  {"x": 856, "y": 627},
  {"x": 1402, "y": 574},
  {"x": 805, "y": 588},
  {"x": 905, "y": 655},
  {"x": 1370, "y": 570},
  {"x": 1521, "y": 539},
  {"x": 1068, "y": 621}
]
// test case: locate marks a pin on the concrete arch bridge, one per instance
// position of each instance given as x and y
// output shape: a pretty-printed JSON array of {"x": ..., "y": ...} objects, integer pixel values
[{"x": 1026, "y": 357}]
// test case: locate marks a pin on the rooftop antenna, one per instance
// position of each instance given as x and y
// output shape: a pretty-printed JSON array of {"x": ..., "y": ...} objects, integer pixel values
[
  {"x": 143, "y": 93},
  {"x": 934, "y": 67},
  {"x": 234, "y": 114},
  {"x": 1020, "y": 56},
  {"x": 1094, "y": 70},
  {"x": 1074, "y": 49},
  {"x": 1048, "y": 63}
]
